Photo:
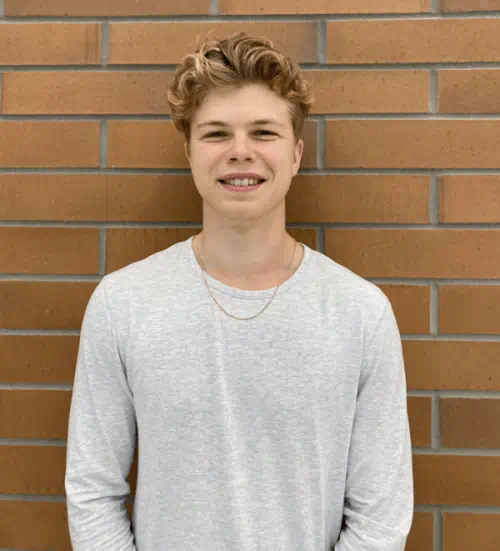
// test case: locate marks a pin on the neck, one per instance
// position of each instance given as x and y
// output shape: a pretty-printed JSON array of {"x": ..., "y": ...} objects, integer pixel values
[{"x": 250, "y": 258}]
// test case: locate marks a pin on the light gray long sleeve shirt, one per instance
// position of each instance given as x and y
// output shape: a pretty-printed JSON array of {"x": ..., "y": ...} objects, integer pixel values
[{"x": 285, "y": 432}]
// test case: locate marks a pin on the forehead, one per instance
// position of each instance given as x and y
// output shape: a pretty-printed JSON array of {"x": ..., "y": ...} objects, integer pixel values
[{"x": 254, "y": 101}]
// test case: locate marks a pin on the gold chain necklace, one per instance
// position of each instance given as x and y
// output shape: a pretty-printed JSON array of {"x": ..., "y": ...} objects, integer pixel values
[{"x": 236, "y": 317}]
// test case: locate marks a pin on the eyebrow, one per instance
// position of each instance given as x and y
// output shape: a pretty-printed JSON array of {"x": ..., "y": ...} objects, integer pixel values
[{"x": 253, "y": 123}]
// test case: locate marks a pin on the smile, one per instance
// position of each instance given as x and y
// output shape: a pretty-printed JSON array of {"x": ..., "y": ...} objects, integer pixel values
[{"x": 249, "y": 188}]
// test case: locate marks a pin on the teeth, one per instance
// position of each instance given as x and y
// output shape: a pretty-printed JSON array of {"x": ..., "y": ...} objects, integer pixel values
[{"x": 245, "y": 182}]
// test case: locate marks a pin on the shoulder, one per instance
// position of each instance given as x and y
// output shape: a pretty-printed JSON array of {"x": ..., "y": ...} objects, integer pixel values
[{"x": 142, "y": 277}]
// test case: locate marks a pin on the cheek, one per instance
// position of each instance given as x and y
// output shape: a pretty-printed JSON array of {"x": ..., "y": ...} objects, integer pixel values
[
  {"x": 280, "y": 160},
  {"x": 204, "y": 158}
]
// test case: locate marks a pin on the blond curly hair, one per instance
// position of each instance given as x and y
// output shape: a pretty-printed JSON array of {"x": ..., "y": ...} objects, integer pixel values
[{"x": 234, "y": 61}]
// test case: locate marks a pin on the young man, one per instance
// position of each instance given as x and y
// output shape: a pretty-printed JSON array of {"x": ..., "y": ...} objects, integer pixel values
[{"x": 263, "y": 382}]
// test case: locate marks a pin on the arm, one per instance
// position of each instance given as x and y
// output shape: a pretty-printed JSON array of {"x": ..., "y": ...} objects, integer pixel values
[
  {"x": 101, "y": 438},
  {"x": 378, "y": 504}
]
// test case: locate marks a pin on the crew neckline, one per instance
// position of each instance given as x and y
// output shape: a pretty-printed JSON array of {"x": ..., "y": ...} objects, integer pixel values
[{"x": 247, "y": 293}]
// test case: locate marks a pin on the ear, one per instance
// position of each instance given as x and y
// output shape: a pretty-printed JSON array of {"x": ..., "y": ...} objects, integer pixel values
[
  {"x": 186, "y": 150},
  {"x": 297, "y": 156}
]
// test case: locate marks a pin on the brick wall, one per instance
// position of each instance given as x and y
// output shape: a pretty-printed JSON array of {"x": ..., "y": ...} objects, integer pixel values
[{"x": 400, "y": 182}]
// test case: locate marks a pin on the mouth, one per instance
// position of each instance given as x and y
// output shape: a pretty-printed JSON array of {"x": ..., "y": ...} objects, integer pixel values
[
  {"x": 240, "y": 187},
  {"x": 240, "y": 182}
]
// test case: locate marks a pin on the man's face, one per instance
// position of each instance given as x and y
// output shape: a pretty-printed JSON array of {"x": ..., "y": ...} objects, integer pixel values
[{"x": 241, "y": 146}]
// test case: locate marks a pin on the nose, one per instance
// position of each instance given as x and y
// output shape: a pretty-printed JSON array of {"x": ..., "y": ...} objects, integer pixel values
[{"x": 241, "y": 149}]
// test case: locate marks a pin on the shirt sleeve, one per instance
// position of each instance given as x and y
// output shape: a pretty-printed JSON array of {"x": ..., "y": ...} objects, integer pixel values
[
  {"x": 378, "y": 501},
  {"x": 101, "y": 438}
]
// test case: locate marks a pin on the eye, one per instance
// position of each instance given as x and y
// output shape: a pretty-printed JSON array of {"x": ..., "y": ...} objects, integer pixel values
[
  {"x": 220, "y": 133},
  {"x": 267, "y": 132},
  {"x": 214, "y": 134}
]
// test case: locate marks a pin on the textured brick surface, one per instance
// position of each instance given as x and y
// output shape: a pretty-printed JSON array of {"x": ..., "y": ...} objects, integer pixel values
[
  {"x": 49, "y": 251},
  {"x": 43, "y": 359},
  {"x": 358, "y": 199},
  {"x": 469, "y": 5},
  {"x": 421, "y": 536},
  {"x": 76, "y": 92},
  {"x": 162, "y": 43},
  {"x": 469, "y": 423},
  {"x": 413, "y": 144},
  {"x": 145, "y": 144},
  {"x": 469, "y": 198},
  {"x": 21, "y": 468},
  {"x": 323, "y": 6},
  {"x": 104, "y": 7},
  {"x": 47, "y": 521},
  {"x": 413, "y": 41},
  {"x": 56, "y": 197},
  {"x": 51, "y": 305},
  {"x": 34, "y": 413},
  {"x": 50, "y": 43},
  {"x": 369, "y": 91},
  {"x": 49, "y": 144},
  {"x": 416, "y": 253},
  {"x": 445, "y": 479},
  {"x": 154, "y": 198},
  {"x": 419, "y": 414},
  {"x": 411, "y": 304},
  {"x": 472, "y": 91},
  {"x": 452, "y": 365},
  {"x": 463, "y": 531},
  {"x": 469, "y": 308}
]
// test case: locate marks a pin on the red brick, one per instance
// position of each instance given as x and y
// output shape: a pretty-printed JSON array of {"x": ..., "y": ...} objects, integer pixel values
[
  {"x": 34, "y": 413},
  {"x": 416, "y": 253},
  {"x": 50, "y": 44},
  {"x": 243, "y": 7},
  {"x": 469, "y": 308},
  {"x": 411, "y": 304},
  {"x": 76, "y": 92},
  {"x": 452, "y": 365},
  {"x": 420, "y": 415},
  {"x": 55, "y": 197},
  {"x": 162, "y": 42},
  {"x": 49, "y": 251},
  {"x": 127, "y": 245},
  {"x": 145, "y": 144},
  {"x": 413, "y": 41},
  {"x": 153, "y": 198},
  {"x": 470, "y": 422},
  {"x": 469, "y": 198},
  {"x": 421, "y": 536},
  {"x": 43, "y": 305},
  {"x": 358, "y": 198},
  {"x": 445, "y": 479},
  {"x": 469, "y": 5},
  {"x": 412, "y": 143},
  {"x": 369, "y": 91},
  {"x": 122, "y": 8},
  {"x": 32, "y": 470},
  {"x": 469, "y": 91},
  {"x": 309, "y": 135},
  {"x": 47, "y": 522},
  {"x": 465, "y": 531},
  {"x": 49, "y": 144},
  {"x": 38, "y": 359}
]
